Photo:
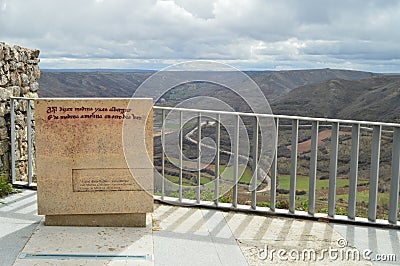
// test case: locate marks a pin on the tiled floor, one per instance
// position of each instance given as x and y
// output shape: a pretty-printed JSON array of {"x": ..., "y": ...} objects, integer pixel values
[{"x": 186, "y": 236}]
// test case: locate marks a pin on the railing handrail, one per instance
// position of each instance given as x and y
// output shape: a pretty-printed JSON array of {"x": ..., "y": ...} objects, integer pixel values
[
  {"x": 293, "y": 117},
  {"x": 303, "y": 118}
]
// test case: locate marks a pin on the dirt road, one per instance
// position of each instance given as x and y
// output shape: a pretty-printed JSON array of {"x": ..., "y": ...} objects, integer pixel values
[{"x": 305, "y": 146}]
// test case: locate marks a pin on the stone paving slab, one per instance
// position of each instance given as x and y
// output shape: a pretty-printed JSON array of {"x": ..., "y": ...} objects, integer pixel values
[
  {"x": 225, "y": 242},
  {"x": 64, "y": 245},
  {"x": 261, "y": 240},
  {"x": 18, "y": 219},
  {"x": 378, "y": 240},
  {"x": 192, "y": 236}
]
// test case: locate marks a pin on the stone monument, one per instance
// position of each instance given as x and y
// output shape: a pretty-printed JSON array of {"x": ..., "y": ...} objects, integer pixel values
[{"x": 88, "y": 172}]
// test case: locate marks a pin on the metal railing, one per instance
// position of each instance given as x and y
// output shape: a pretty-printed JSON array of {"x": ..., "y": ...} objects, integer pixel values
[
  {"x": 282, "y": 123},
  {"x": 29, "y": 138},
  {"x": 297, "y": 122}
]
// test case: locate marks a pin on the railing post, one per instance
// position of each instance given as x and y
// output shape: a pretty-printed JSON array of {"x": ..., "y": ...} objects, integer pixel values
[
  {"x": 162, "y": 153},
  {"x": 29, "y": 139},
  {"x": 218, "y": 139},
  {"x": 236, "y": 162},
  {"x": 274, "y": 169},
  {"x": 255, "y": 164},
  {"x": 180, "y": 154},
  {"x": 313, "y": 167},
  {"x": 333, "y": 169},
  {"x": 293, "y": 166},
  {"x": 13, "y": 149},
  {"x": 355, "y": 141},
  {"x": 198, "y": 188},
  {"x": 394, "y": 181},
  {"x": 373, "y": 180}
]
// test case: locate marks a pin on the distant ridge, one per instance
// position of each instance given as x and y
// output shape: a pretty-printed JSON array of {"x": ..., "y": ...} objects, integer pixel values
[
  {"x": 332, "y": 93},
  {"x": 123, "y": 82},
  {"x": 90, "y": 83},
  {"x": 95, "y": 70}
]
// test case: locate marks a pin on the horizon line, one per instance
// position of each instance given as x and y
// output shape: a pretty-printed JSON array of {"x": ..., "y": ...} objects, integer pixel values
[{"x": 155, "y": 70}]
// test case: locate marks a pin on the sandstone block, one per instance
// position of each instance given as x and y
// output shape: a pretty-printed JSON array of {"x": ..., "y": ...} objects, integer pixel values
[{"x": 84, "y": 175}]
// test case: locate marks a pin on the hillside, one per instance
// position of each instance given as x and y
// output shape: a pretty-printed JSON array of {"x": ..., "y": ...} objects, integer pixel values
[
  {"x": 90, "y": 84},
  {"x": 373, "y": 99},
  {"x": 123, "y": 84},
  {"x": 319, "y": 92},
  {"x": 277, "y": 83}
]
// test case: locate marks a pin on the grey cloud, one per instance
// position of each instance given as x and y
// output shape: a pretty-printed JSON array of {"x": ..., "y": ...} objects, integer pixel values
[
  {"x": 273, "y": 34},
  {"x": 358, "y": 49}
]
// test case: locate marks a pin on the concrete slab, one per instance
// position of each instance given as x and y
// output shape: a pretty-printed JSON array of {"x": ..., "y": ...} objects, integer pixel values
[
  {"x": 381, "y": 242},
  {"x": 224, "y": 241},
  {"x": 18, "y": 219},
  {"x": 63, "y": 245},
  {"x": 181, "y": 236},
  {"x": 179, "y": 220},
  {"x": 196, "y": 237},
  {"x": 273, "y": 240},
  {"x": 174, "y": 248}
]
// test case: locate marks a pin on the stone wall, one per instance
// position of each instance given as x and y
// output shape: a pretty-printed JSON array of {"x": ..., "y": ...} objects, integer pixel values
[{"x": 19, "y": 74}]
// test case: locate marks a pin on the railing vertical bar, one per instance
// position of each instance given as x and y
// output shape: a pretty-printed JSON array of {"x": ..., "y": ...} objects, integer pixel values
[
  {"x": 180, "y": 154},
  {"x": 255, "y": 164},
  {"x": 218, "y": 140},
  {"x": 355, "y": 142},
  {"x": 394, "y": 181},
  {"x": 198, "y": 188},
  {"x": 29, "y": 139},
  {"x": 163, "y": 153},
  {"x": 13, "y": 149},
  {"x": 313, "y": 167},
  {"x": 293, "y": 166},
  {"x": 373, "y": 180},
  {"x": 333, "y": 169},
  {"x": 236, "y": 162},
  {"x": 274, "y": 169}
]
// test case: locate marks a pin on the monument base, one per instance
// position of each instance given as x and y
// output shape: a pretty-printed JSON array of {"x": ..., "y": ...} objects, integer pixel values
[{"x": 101, "y": 220}]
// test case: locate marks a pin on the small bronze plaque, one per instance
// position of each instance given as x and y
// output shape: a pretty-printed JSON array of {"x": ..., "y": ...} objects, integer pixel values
[{"x": 87, "y": 180}]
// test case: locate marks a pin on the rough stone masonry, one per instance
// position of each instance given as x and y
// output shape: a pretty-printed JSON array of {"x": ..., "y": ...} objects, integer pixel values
[{"x": 19, "y": 74}]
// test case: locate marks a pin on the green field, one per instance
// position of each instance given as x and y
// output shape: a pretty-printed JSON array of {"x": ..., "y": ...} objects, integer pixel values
[
  {"x": 322, "y": 186},
  {"x": 228, "y": 171},
  {"x": 302, "y": 183},
  {"x": 302, "y": 188}
]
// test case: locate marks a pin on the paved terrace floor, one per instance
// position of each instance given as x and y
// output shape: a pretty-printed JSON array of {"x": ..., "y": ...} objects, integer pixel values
[{"x": 186, "y": 236}]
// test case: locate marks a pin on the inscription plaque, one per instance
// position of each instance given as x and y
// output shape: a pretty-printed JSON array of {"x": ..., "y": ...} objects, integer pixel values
[{"x": 85, "y": 180}]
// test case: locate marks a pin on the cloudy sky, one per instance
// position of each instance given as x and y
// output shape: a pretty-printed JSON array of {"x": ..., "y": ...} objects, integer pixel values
[{"x": 248, "y": 34}]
